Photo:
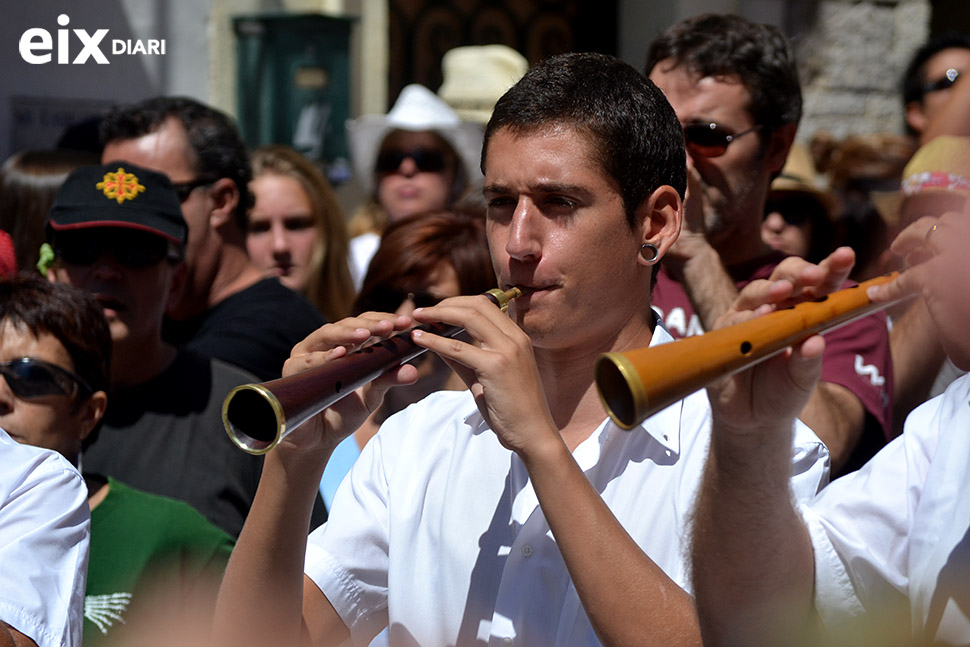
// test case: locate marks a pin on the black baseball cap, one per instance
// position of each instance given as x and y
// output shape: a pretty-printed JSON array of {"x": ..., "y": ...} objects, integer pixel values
[{"x": 119, "y": 194}]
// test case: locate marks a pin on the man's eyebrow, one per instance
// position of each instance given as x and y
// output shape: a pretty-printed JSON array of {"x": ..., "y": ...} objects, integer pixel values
[
  {"x": 541, "y": 187},
  {"x": 496, "y": 188}
]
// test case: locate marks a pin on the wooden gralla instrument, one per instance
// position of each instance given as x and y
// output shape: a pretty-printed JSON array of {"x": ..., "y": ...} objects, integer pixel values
[{"x": 636, "y": 384}]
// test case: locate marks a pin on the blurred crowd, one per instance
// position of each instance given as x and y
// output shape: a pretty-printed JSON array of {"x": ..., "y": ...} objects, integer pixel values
[{"x": 147, "y": 278}]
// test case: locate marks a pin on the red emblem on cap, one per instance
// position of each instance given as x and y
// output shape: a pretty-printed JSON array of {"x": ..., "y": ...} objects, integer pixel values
[{"x": 120, "y": 185}]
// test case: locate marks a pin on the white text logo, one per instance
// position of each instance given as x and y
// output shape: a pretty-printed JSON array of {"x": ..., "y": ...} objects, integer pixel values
[{"x": 37, "y": 45}]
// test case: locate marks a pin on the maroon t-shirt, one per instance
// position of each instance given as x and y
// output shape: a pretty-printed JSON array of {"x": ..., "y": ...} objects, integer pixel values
[{"x": 856, "y": 354}]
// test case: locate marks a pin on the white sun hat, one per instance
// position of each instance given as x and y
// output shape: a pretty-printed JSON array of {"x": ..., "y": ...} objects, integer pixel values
[
  {"x": 476, "y": 76},
  {"x": 417, "y": 109}
]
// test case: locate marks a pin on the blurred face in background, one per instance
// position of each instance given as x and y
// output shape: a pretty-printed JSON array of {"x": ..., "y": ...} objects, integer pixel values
[
  {"x": 442, "y": 283},
  {"x": 787, "y": 226},
  {"x": 282, "y": 234},
  {"x": 128, "y": 272},
  {"x": 416, "y": 172}
]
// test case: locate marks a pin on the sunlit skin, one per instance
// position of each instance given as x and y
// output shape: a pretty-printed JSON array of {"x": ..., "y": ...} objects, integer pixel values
[
  {"x": 554, "y": 217},
  {"x": 282, "y": 234},
  {"x": 785, "y": 237},
  {"x": 920, "y": 113},
  {"x": 731, "y": 188},
  {"x": 40, "y": 421},
  {"x": 408, "y": 190}
]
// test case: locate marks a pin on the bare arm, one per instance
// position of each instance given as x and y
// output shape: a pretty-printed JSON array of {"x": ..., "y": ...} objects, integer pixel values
[
  {"x": 709, "y": 287},
  {"x": 265, "y": 598},
  {"x": 10, "y": 637},
  {"x": 752, "y": 557},
  {"x": 627, "y": 597},
  {"x": 917, "y": 359}
]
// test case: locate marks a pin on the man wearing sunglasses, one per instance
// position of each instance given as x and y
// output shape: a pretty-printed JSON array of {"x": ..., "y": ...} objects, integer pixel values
[
  {"x": 117, "y": 231},
  {"x": 734, "y": 87},
  {"x": 226, "y": 308}
]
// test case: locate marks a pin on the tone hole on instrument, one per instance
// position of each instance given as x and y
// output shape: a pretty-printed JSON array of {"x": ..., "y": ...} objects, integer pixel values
[
  {"x": 336, "y": 387},
  {"x": 746, "y": 347}
]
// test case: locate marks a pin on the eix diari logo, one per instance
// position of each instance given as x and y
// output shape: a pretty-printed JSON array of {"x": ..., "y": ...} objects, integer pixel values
[{"x": 37, "y": 45}]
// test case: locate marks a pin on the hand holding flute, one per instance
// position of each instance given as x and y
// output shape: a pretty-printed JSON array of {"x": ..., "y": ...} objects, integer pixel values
[
  {"x": 358, "y": 351},
  {"x": 791, "y": 376}
]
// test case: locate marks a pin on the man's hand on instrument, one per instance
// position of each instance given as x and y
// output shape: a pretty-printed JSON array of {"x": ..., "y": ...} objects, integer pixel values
[
  {"x": 936, "y": 253},
  {"x": 329, "y": 343},
  {"x": 770, "y": 395},
  {"x": 810, "y": 281},
  {"x": 499, "y": 369}
]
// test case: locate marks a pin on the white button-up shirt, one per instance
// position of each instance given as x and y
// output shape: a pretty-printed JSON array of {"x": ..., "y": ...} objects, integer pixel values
[
  {"x": 44, "y": 536},
  {"x": 892, "y": 541},
  {"x": 438, "y": 531}
]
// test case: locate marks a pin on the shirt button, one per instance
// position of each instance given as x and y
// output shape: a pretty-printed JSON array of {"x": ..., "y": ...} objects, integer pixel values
[
  {"x": 507, "y": 641},
  {"x": 527, "y": 552}
]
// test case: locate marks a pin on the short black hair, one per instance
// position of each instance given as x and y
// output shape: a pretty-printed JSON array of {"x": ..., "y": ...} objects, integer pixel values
[
  {"x": 218, "y": 150},
  {"x": 914, "y": 77},
  {"x": 723, "y": 45},
  {"x": 70, "y": 314},
  {"x": 629, "y": 123}
]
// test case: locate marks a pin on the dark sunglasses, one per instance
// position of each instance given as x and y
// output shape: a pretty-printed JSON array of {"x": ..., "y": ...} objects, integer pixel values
[
  {"x": 32, "y": 378},
  {"x": 946, "y": 81},
  {"x": 427, "y": 160},
  {"x": 131, "y": 248},
  {"x": 184, "y": 189},
  {"x": 710, "y": 139}
]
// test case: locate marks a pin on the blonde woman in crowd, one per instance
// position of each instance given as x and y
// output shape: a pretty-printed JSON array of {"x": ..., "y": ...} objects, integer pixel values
[{"x": 297, "y": 230}]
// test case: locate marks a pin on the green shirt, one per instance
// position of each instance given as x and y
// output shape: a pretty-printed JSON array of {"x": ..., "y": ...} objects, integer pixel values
[{"x": 140, "y": 541}]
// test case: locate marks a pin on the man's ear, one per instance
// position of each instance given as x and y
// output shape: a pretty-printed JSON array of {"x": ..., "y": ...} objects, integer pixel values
[
  {"x": 660, "y": 217},
  {"x": 180, "y": 273},
  {"x": 779, "y": 145},
  {"x": 225, "y": 196},
  {"x": 91, "y": 413}
]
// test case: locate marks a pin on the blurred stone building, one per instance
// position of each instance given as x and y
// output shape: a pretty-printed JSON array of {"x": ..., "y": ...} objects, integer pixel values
[{"x": 851, "y": 51}]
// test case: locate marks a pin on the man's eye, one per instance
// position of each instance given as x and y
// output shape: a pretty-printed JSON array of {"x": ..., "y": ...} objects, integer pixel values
[
  {"x": 561, "y": 201},
  {"x": 498, "y": 203}
]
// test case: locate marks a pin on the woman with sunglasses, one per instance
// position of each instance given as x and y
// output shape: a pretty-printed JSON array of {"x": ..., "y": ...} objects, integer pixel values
[
  {"x": 418, "y": 157},
  {"x": 296, "y": 229}
]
